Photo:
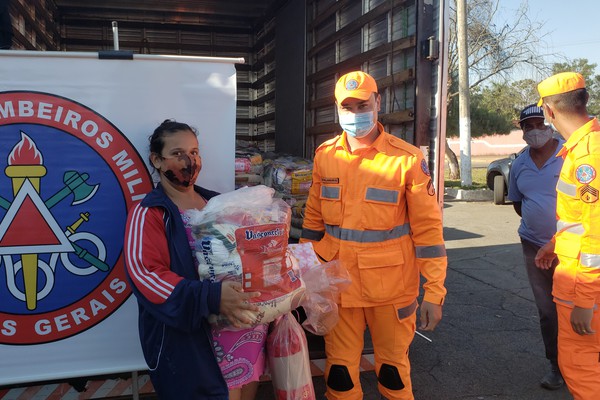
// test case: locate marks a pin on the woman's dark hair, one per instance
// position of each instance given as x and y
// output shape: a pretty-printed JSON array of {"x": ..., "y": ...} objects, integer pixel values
[{"x": 168, "y": 127}]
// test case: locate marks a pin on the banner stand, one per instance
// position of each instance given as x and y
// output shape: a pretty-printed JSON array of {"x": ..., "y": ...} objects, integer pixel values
[{"x": 74, "y": 129}]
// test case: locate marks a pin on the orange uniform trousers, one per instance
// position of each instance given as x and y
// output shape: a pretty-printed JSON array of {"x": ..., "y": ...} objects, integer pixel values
[
  {"x": 579, "y": 356},
  {"x": 391, "y": 335}
]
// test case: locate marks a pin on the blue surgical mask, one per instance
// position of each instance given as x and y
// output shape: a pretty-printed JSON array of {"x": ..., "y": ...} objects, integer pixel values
[{"x": 357, "y": 125}]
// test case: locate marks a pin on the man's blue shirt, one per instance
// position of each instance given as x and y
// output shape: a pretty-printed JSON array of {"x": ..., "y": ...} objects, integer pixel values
[{"x": 536, "y": 190}]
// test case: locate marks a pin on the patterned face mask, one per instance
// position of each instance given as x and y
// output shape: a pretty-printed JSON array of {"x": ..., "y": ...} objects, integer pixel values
[{"x": 181, "y": 170}]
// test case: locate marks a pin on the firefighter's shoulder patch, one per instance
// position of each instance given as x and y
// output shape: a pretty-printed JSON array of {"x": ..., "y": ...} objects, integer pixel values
[
  {"x": 425, "y": 168},
  {"x": 588, "y": 194},
  {"x": 585, "y": 173},
  {"x": 430, "y": 188}
]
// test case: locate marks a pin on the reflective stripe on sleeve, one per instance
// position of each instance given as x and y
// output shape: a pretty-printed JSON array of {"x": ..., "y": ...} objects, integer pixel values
[
  {"x": 572, "y": 227},
  {"x": 311, "y": 235},
  {"x": 566, "y": 188},
  {"x": 430, "y": 251},
  {"x": 355, "y": 235},
  {"x": 564, "y": 302},
  {"x": 330, "y": 192},
  {"x": 590, "y": 260},
  {"x": 568, "y": 303},
  {"x": 382, "y": 195}
]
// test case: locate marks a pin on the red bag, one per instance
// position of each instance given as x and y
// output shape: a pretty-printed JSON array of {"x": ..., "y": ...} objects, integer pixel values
[{"x": 287, "y": 355}]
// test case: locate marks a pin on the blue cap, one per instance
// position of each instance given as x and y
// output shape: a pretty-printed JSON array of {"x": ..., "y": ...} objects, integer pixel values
[{"x": 531, "y": 111}]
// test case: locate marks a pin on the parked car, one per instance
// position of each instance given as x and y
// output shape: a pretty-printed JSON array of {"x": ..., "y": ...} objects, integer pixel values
[{"x": 497, "y": 176}]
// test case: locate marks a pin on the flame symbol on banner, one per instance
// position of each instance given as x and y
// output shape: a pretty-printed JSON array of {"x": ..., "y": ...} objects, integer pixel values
[{"x": 25, "y": 153}]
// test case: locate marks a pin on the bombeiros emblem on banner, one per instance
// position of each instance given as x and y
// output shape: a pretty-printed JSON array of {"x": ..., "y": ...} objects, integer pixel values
[{"x": 69, "y": 178}]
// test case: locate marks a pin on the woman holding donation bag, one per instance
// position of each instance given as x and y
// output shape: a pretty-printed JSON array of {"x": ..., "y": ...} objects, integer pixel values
[
  {"x": 199, "y": 309},
  {"x": 174, "y": 304}
]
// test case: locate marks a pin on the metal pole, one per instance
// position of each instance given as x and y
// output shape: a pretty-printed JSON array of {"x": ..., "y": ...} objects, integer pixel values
[
  {"x": 442, "y": 97},
  {"x": 135, "y": 389},
  {"x": 115, "y": 30},
  {"x": 464, "y": 118}
]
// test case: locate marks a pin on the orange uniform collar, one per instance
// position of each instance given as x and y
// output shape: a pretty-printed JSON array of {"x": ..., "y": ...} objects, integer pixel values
[{"x": 591, "y": 126}]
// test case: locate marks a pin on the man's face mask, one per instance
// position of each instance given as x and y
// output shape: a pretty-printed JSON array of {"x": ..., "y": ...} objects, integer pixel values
[
  {"x": 357, "y": 125},
  {"x": 181, "y": 170},
  {"x": 536, "y": 138}
]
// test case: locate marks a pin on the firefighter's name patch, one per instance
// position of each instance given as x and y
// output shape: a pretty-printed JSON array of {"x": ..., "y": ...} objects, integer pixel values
[
  {"x": 585, "y": 173},
  {"x": 330, "y": 181},
  {"x": 588, "y": 194}
]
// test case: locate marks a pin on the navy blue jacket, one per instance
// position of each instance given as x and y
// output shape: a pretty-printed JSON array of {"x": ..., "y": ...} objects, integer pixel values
[{"x": 173, "y": 302}]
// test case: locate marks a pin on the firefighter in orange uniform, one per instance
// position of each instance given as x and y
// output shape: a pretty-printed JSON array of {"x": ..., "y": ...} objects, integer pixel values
[
  {"x": 576, "y": 287},
  {"x": 372, "y": 205}
]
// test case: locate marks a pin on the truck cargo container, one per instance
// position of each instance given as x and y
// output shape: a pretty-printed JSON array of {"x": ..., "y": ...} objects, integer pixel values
[{"x": 288, "y": 54}]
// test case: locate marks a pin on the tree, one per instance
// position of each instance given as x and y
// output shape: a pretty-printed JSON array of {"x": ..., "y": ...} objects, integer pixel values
[
  {"x": 496, "y": 107},
  {"x": 495, "y": 51},
  {"x": 592, "y": 80},
  {"x": 483, "y": 118}
]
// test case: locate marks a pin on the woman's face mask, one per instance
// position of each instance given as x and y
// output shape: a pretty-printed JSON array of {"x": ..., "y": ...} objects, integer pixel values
[
  {"x": 536, "y": 138},
  {"x": 357, "y": 125},
  {"x": 180, "y": 161},
  {"x": 181, "y": 170}
]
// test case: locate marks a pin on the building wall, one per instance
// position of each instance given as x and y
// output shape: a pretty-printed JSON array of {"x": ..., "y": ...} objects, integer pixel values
[
  {"x": 492, "y": 145},
  {"x": 34, "y": 25}
]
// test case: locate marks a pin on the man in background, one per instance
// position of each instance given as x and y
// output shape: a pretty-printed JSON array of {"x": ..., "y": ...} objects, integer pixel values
[
  {"x": 531, "y": 188},
  {"x": 576, "y": 286}
]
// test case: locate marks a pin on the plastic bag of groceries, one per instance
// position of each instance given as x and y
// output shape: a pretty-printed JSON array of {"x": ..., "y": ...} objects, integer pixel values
[
  {"x": 242, "y": 236},
  {"x": 289, "y": 175},
  {"x": 288, "y": 360},
  {"x": 324, "y": 283}
]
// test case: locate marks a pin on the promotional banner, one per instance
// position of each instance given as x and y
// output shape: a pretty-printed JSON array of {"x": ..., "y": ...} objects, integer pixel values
[{"x": 74, "y": 132}]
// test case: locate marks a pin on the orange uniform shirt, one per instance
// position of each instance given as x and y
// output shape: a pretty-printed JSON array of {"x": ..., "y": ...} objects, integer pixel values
[
  {"x": 376, "y": 211},
  {"x": 577, "y": 277}
]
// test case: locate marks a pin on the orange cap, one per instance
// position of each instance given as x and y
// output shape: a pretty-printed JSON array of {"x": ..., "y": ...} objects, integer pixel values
[
  {"x": 560, "y": 83},
  {"x": 357, "y": 84}
]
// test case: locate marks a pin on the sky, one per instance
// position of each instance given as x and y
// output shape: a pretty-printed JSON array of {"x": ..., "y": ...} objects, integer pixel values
[{"x": 572, "y": 27}]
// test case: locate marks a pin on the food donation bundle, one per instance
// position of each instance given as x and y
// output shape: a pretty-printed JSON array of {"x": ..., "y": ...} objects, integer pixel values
[{"x": 242, "y": 236}]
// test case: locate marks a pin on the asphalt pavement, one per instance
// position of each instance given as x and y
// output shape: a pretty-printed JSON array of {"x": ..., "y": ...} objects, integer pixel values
[{"x": 488, "y": 345}]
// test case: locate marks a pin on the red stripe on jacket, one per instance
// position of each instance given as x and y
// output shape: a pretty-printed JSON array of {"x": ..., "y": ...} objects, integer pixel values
[{"x": 147, "y": 254}]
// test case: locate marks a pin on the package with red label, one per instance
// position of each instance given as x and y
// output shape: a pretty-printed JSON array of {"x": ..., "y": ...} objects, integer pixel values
[{"x": 242, "y": 236}]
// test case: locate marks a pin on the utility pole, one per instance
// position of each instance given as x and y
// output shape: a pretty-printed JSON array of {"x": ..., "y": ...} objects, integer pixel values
[{"x": 464, "y": 117}]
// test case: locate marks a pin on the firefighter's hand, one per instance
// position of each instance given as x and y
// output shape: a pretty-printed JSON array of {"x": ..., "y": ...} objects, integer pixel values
[
  {"x": 545, "y": 256},
  {"x": 581, "y": 320},
  {"x": 431, "y": 315},
  {"x": 235, "y": 306}
]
